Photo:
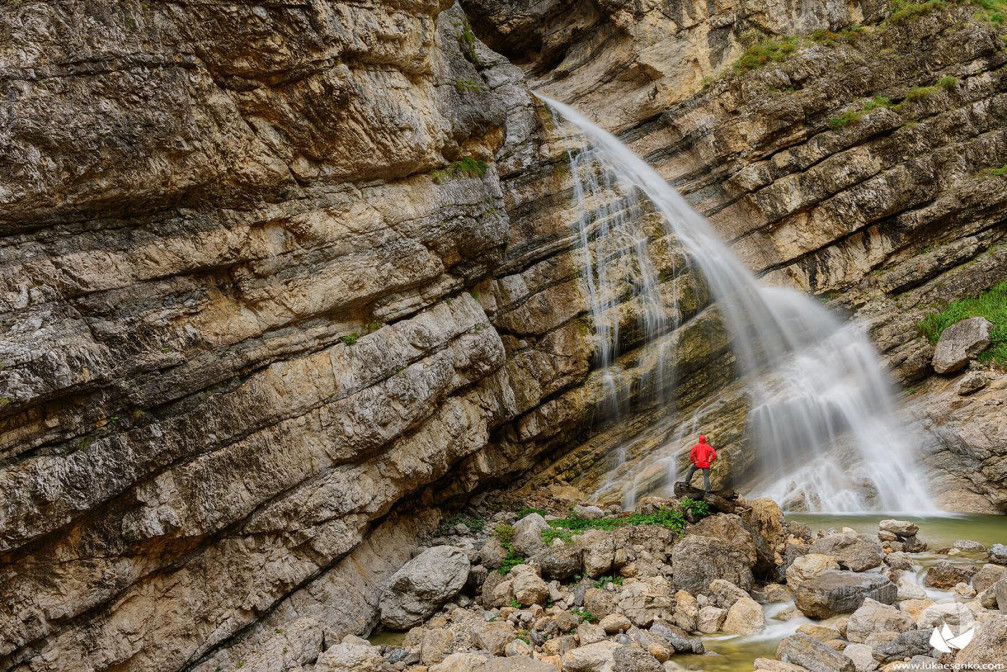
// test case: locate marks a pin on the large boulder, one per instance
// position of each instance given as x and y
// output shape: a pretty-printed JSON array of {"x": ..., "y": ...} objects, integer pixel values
[
  {"x": 856, "y": 552},
  {"x": 634, "y": 659},
  {"x": 745, "y": 617},
  {"x": 422, "y": 586},
  {"x": 350, "y": 658},
  {"x": 908, "y": 644},
  {"x": 841, "y": 592},
  {"x": 813, "y": 655},
  {"x": 726, "y": 593},
  {"x": 988, "y": 646},
  {"x": 528, "y": 534},
  {"x": 766, "y": 517},
  {"x": 597, "y": 657},
  {"x": 945, "y": 575},
  {"x": 960, "y": 343},
  {"x": 808, "y": 566},
  {"x": 645, "y": 601},
  {"x": 998, "y": 554},
  {"x": 987, "y": 576},
  {"x": 718, "y": 547},
  {"x": 528, "y": 586},
  {"x": 678, "y": 638},
  {"x": 598, "y": 552},
  {"x": 493, "y": 636},
  {"x": 559, "y": 561},
  {"x": 710, "y": 619},
  {"x": 873, "y": 616},
  {"x": 900, "y": 528}
]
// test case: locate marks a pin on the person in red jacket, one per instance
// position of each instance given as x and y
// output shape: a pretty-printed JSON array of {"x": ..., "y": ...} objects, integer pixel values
[{"x": 702, "y": 456}]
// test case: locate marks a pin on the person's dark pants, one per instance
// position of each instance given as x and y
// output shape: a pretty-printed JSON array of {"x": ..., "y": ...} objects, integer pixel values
[{"x": 692, "y": 471}]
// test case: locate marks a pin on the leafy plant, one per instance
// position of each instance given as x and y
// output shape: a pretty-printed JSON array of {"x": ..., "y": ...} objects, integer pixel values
[
  {"x": 514, "y": 604},
  {"x": 350, "y": 339},
  {"x": 605, "y": 580},
  {"x": 919, "y": 93},
  {"x": 697, "y": 507},
  {"x": 844, "y": 119},
  {"x": 584, "y": 615},
  {"x": 527, "y": 511},
  {"x": 992, "y": 305}
]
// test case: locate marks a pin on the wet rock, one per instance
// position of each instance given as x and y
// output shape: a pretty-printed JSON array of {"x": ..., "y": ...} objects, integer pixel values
[
  {"x": 686, "y": 610},
  {"x": 528, "y": 534},
  {"x": 350, "y": 658},
  {"x": 906, "y": 645},
  {"x": 909, "y": 590},
  {"x": 745, "y": 617},
  {"x": 838, "y": 592},
  {"x": 422, "y": 586},
  {"x": 710, "y": 619},
  {"x": 678, "y": 638},
  {"x": 856, "y": 552},
  {"x": 961, "y": 342},
  {"x": 812, "y": 655},
  {"x": 874, "y": 616},
  {"x": 944, "y": 575},
  {"x": 900, "y": 528},
  {"x": 809, "y": 566},
  {"x": 633, "y": 659},
  {"x": 913, "y": 545},
  {"x": 597, "y": 657}
]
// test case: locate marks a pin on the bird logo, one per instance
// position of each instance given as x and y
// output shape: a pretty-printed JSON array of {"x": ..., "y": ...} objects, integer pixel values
[{"x": 946, "y": 641}]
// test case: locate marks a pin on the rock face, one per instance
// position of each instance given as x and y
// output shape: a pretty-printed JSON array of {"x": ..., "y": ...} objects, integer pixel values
[
  {"x": 422, "y": 586},
  {"x": 839, "y": 592},
  {"x": 961, "y": 342}
]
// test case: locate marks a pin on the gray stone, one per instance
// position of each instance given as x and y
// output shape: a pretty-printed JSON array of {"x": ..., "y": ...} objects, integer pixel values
[
  {"x": 634, "y": 659},
  {"x": 839, "y": 592},
  {"x": 726, "y": 593},
  {"x": 598, "y": 552},
  {"x": 710, "y": 619},
  {"x": 899, "y": 560},
  {"x": 528, "y": 534},
  {"x": 969, "y": 546},
  {"x": 906, "y": 645},
  {"x": 719, "y": 547},
  {"x": 559, "y": 561},
  {"x": 900, "y": 528},
  {"x": 588, "y": 512},
  {"x": 944, "y": 575},
  {"x": 422, "y": 586},
  {"x": 989, "y": 646},
  {"x": 862, "y": 657},
  {"x": 998, "y": 554},
  {"x": 745, "y": 617},
  {"x": 872, "y": 616},
  {"x": 597, "y": 657},
  {"x": 987, "y": 576},
  {"x": 960, "y": 343},
  {"x": 812, "y": 655},
  {"x": 856, "y": 552},
  {"x": 350, "y": 658},
  {"x": 972, "y": 382},
  {"x": 678, "y": 638},
  {"x": 493, "y": 637},
  {"x": 528, "y": 586}
]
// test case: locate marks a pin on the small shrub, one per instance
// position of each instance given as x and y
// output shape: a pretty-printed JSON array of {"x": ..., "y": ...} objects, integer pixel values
[
  {"x": 766, "y": 51},
  {"x": 514, "y": 604},
  {"x": 551, "y": 534},
  {"x": 464, "y": 84},
  {"x": 371, "y": 327},
  {"x": 995, "y": 172},
  {"x": 947, "y": 82},
  {"x": 512, "y": 560},
  {"x": 475, "y": 525},
  {"x": 605, "y": 580},
  {"x": 903, "y": 12},
  {"x": 876, "y": 102},
  {"x": 505, "y": 535},
  {"x": 5, "y": 401},
  {"x": 350, "y": 339}
]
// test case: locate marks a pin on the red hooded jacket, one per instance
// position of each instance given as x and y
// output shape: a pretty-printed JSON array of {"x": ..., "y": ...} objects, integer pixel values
[{"x": 702, "y": 454}]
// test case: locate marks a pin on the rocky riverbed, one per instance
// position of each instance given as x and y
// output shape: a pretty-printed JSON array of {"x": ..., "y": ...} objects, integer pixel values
[{"x": 663, "y": 587}]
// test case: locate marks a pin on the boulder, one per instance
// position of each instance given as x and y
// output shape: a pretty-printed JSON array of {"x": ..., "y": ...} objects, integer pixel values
[
  {"x": 598, "y": 552},
  {"x": 588, "y": 512},
  {"x": 952, "y": 613},
  {"x": 808, "y": 566},
  {"x": 493, "y": 637},
  {"x": 644, "y": 601},
  {"x": 422, "y": 586},
  {"x": 492, "y": 553},
  {"x": 776, "y": 593},
  {"x": 461, "y": 662},
  {"x": 528, "y": 586},
  {"x": 1001, "y": 594},
  {"x": 766, "y": 517},
  {"x": 822, "y": 633},
  {"x": 678, "y": 638},
  {"x": 873, "y": 616},
  {"x": 900, "y": 528},
  {"x": 839, "y": 592},
  {"x": 987, "y": 576},
  {"x": 899, "y": 560},
  {"x": 989, "y": 646},
  {"x": 969, "y": 546},
  {"x": 916, "y": 607},
  {"x": 559, "y": 561},
  {"x": 772, "y": 665},
  {"x": 528, "y": 534},
  {"x": 726, "y": 593},
  {"x": 718, "y": 547},
  {"x": 909, "y": 590},
  {"x": 634, "y": 659},
  {"x": 998, "y": 554},
  {"x": 350, "y": 658},
  {"x": 686, "y": 610},
  {"x": 435, "y": 645},
  {"x": 597, "y": 657},
  {"x": 856, "y": 552},
  {"x": 745, "y": 617},
  {"x": 812, "y": 655},
  {"x": 599, "y": 602},
  {"x": 906, "y": 645},
  {"x": 589, "y": 633},
  {"x": 615, "y": 623},
  {"x": 710, "y": 619},
  {"x": 862, "y": 657},
  {"x": 972, "y": 382},
  {"x": 944, "y": 575},
  {"x": 960, "y": 343}
]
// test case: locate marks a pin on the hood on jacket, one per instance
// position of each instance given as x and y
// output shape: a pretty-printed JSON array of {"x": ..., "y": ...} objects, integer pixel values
[{"x": 702, "y": 438}]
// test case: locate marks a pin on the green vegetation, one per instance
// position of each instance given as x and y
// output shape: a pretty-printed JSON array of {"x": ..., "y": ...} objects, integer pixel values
[
  {"x": 903, "y": 12},
  {"x": 994, "y": 11},
  {"x": 992, "y": 305},
  {"x": 605, "y": 580},
  {"x": 919, "y": 93},
  {"x": 527, "y": 511},
  {"x": 5, "y": 401},
  {"x": 475, "y": 525},
  {"x": 852, "y": 116},
  {"x": 465, "y": 84},
  {"x": 463, "y": 167},
  {"x": 828, "y": 38},
  {"x": 994, "y": 172},
  {"x": 350, "y": 339},
  {"x": 505, "y": 535},
  {"x": 947, "y": 82},
  {"x": 673, "y": 519},
  {"x": 699, "y": 508},
  {"x": 371, "y": 327},
  {"x": 514, "y": 604},
  {"x": 521, "y": 634},
  {"x": 584, "y": 615},
  {"x": 769, "y": 50},
  {"x": 467, "y": 41}
]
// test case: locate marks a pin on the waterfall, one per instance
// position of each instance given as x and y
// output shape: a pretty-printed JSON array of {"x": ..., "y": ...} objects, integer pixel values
[{"x": 821, "y": 412}]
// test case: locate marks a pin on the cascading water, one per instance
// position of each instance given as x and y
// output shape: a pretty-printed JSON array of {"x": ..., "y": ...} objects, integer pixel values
[{"x": 821, "y": 411}]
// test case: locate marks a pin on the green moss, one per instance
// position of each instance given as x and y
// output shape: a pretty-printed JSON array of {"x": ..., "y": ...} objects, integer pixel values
[
  {"x": 903, "y": 12},
  {"x": 5, "y": 401},
  {"x": 947, "y": 82},
  {"x": 994, "y": 172},
  {"x": 467, "y": 41},
  {"x": 466, "y": 166},
  {"x": 766, "y": 51},
  {"x": 919, "y": 93},
  {"x": 876, "y": 102},
  {"x": 992, "y": 305}
]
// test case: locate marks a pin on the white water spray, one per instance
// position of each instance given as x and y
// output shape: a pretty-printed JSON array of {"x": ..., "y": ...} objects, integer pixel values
[{"x": 821, "y": 412}]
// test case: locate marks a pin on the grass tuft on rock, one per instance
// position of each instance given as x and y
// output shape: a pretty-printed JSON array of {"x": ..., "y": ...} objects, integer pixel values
[
  {"x": 466, "y": 166},
  {"x": 904, "y": 12},
  {"x": 769, "y": 50},
  {"x": 992, "y": 305}
]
